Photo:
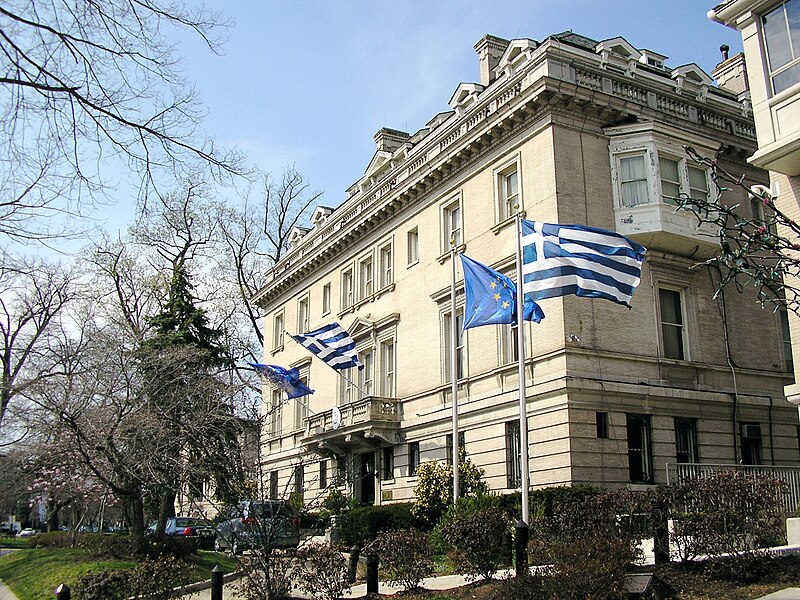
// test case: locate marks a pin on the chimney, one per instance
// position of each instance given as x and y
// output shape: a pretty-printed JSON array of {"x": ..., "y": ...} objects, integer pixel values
[
  {"x": 490, "y": 50},
  {"x": 389, "y": 140},
  {"x": 731, "y": 73}
]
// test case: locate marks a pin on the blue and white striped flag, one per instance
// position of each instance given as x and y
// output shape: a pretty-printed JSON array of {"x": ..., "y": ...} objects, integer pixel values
[
  {"x": 333, "y": 345},
  {"x": 559, "y": 260}
]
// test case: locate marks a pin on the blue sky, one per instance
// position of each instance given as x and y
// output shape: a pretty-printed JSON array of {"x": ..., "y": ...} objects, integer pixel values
[{"x": 309, "y": 82}]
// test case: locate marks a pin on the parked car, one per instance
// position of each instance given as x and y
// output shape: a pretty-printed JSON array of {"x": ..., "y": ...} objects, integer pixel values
[
  {"x": 191, "y": 528},
  {"x": 27, "y": 532},
  {"x": 258, "y": 523}
]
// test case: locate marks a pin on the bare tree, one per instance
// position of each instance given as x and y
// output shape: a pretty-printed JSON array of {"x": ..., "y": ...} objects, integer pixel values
[
  {"x": 32, "y": 296},
  {"x": 759, "y": 246},
  {"x": 83, "y": 82}
]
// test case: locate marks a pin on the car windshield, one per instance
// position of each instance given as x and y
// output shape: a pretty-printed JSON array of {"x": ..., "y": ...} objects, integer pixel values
[
  {"x": 188, "y": 522},
  {"x": 268, "y": 509}
]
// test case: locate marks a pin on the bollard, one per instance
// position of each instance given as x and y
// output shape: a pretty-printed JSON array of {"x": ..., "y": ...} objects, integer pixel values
[
  {"x": 372, "y": 573},
  {"x": 352, "y": 566},
  {"x": 508, "y": 548},
  {"x": 62, "y": 592},
  {"x": 660, "y": 539},
  {"x": 521, "y": 547},
  {"x": 216, "y": 582}
]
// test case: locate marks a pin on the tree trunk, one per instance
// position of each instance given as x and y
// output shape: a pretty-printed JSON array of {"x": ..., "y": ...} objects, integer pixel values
[{"x": 135, "y": 511}]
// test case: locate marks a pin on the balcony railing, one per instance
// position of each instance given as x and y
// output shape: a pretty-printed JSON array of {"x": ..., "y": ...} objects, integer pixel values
[
  {"x": 681, "y": 472},
  {"x": 368, "y": 411}
]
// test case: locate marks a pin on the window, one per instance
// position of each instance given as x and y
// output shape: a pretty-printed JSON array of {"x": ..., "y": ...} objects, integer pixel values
[
  {"x": 387, "y": 369},
  {"x": 686, "y": 441},
  {"x": 341, "y": 470},
  {"x": 277, "y": 331},
  {"x": 386, "y": 275},
  {"x": 323, "y": 474},
  {"x": 275, "y": 410},
  {"x": 698, "y": 183},
  {"x": 640, "y": 457},
  {"x": 413, "y": 458},
  {"x": 326, "y": 298},
  {"x": 672, "y": 329},
  {"x": 670, "y": 179},
  {"x": 365, "y": 278},
  {"x": 387, "y": 463},
  {"x": 781, "y": 27},
  {"x": 509, "y": 344},
  {"x": 347, "y": 288},
  {"x": 451, "y": 226},
  {"x": 460, "y": 348},
  {"x": 513, "y": 455},
  {"x": 788, "y": 361},
  {"x": 273, "y": 485},
  {"x": 412, "y": 240},
  {"x": 508, "y": 192},
  {"x": 751, "y": 443},
  {"x": 299, "y": 480},
  {"x": 365, "y": 375},
  {"x": 301, "y": 406},
  {"x": 633, "y": 178},
  {"x": 601, "y": 422},
  {"x": 302, "y": 315},
  {"x": 462, "y": 444}
]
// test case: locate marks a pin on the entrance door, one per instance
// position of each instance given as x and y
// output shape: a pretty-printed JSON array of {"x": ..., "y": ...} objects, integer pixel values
[{"x": 367, "y": 478}]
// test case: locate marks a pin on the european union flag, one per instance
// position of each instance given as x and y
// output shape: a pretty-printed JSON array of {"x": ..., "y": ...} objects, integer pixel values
[
  {"x": 491, "y": 297},
  {"x": 286, "y": 379}
]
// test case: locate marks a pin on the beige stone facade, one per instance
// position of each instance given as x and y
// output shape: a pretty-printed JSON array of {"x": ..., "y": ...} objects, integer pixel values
[{"x": 574, "y": 131}]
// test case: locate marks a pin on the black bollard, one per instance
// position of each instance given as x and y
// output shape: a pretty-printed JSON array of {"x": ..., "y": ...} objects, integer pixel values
[
  {"x": 521, "y": 547},
  {"x": 62, "y": 592},
  {"x": 508, "y": 548},
  {"x": 216, "y": 582},
  {"x": 372, "y": 573},
  {"x": 660, "y": 538},
  {"x": 352, "y": 566}
]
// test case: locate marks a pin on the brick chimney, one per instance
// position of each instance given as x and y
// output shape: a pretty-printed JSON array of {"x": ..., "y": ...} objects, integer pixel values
[
  {"x": 490, "y": 50},
  {"x": 731, "y": 73}
]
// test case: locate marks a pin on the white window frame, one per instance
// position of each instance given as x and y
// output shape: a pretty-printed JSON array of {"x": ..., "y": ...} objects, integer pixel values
[
  {"x": 786, "y": 339},
  {"x": 300, "y": 409},
  {"x": 509, "y": 342},
  {"x": 504, "y": 202},
  {"x": 385, "y": 265},
  {"x": 278, "y": 326},
  {"x": 326, "y": 298},
  {"x": 452, "y": 219},
  {"x": 388, "y": 359},
  {"x": 652, "y": 148},
  {"x": 412, "y": 246},
  {"x": 366, "y": 277},
  {"x": 366, "y": 376},
  {"x": 681, "y": 292},
  {"x": 347, "y": 288},
  {"x": 793, "y": 64},
  {"x": 461, "y": 344},
  {"x": 275, "y": 412},
  {"x": 303, "y": 314}
]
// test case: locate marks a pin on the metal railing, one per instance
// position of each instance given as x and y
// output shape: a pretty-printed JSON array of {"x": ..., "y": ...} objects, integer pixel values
[{"x": 681, "y": 472}]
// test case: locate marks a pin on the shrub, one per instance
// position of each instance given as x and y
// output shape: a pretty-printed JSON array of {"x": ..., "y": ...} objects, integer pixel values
[
  {"x": 105, "y": 585},
  {"x": 321, "y": 571},
  {"x": 405, "y": 556},
  {"x": 53, "y": 539},
  {"x": 736, "y": 514},
  {"x": 156, "y": 577},
  {"x": 474, "y": 529},
  {"x": 364, "y": 523},
  {"x": 266, "y": 575},
  {"x": 547, "y": 500},
  {"x": 434, "y": 490},
  {"x": 99, "y": 545}
]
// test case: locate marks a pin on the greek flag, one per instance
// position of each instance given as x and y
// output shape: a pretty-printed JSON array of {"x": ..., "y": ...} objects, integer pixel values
[
  {"x": 333, "y": 345},
  {"x": 559, "y": 260}
]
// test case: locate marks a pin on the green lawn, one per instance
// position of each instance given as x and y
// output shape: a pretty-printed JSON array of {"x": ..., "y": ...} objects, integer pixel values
[{"x": 33, "y": 574}]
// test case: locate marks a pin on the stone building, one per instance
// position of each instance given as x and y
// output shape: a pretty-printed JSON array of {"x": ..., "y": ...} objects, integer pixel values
[
  {"x": 571, "y": 130},
  {"x": 771, "y": 81}
]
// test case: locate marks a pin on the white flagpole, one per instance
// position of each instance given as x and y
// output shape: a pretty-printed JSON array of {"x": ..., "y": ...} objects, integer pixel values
[
  {"x": 453, "y": 366},
  {"x": 523, "y": 414}
]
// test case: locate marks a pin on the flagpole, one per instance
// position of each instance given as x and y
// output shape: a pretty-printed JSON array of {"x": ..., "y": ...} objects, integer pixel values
[
  {"x": 339, "y": 372},
  {"x": 453, "y": 366},
  {"x": 523, "y": 414}
]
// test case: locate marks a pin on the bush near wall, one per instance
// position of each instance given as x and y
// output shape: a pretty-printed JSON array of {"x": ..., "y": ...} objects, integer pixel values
[{"x": 364, "y": 523}]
